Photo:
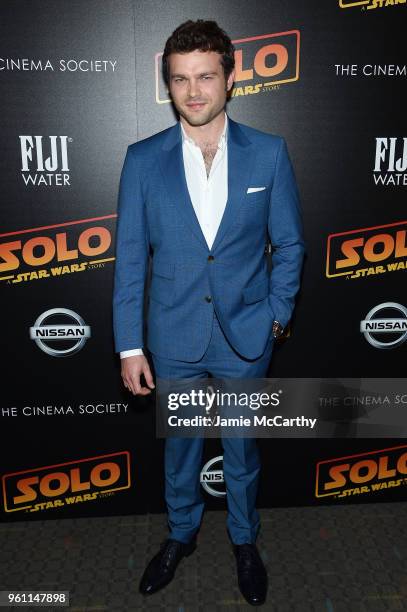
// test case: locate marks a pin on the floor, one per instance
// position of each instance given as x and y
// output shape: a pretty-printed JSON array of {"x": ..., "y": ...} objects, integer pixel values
[{"x": 331, "y": 559}]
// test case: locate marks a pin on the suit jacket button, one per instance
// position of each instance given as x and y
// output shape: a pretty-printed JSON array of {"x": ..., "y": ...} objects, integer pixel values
[
  {"x": 208, "y": 298},
  {"x": 210, "y": 258}
]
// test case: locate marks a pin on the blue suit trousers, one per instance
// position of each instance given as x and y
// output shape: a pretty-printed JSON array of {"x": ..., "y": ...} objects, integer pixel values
[{"x": 183, "y": 456}]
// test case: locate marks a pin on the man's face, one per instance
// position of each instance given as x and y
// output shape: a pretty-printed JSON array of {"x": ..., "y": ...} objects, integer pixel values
[{"x": 197, "y": 85}]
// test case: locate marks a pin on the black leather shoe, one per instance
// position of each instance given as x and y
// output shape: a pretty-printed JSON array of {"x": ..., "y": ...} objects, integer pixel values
[
  {"x": 251, "y": 574},
  {"x": 161, "y": 569}
]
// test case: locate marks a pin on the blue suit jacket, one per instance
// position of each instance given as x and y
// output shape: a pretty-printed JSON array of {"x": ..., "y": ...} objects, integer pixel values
[{"x": 155, "y": 211}]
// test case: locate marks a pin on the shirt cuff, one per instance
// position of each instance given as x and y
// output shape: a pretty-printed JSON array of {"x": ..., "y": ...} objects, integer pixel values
[{"x": 137, "y": 351}]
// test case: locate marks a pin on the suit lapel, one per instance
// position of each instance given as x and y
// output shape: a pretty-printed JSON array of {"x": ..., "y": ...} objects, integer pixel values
[
  {"x": 172, "y": 168},
  {"x": 240, "y": 162}
]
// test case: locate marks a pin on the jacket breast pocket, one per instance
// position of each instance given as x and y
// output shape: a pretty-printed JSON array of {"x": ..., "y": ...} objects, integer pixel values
[
  {"x": 162, "y": 283},
  {"x": 254, "y": 208},
  {"x": 258, "y": 197},
  {"x": 256, "y": 291}
]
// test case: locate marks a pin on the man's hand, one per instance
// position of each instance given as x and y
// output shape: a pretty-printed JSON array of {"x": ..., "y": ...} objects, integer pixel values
[{"x": 132, "y": 368}]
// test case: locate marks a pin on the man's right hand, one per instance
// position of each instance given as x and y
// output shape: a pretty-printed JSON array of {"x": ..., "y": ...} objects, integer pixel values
[{"x": 132, "y": 368}]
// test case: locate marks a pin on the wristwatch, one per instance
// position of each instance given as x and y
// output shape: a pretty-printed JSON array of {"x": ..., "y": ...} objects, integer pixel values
[{"x": 277, "y": 329}]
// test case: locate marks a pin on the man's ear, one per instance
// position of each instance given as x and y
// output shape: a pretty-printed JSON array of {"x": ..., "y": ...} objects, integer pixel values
[{"x": 231, "y": 80}]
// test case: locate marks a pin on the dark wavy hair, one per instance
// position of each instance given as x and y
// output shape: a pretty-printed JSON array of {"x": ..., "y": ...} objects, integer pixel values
[{"x": 203, "y": 35}]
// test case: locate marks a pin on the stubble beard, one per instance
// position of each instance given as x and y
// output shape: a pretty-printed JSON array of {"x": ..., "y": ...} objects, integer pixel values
[{"x": 203, "y": 118}]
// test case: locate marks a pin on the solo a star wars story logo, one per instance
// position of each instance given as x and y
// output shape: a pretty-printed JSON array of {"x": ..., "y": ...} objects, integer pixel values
[
  {"x": 369, "y": 4},
  {"x": 66, "y": 484},
  {"x": 362, "y": 474},
  {"x": 53, "y": 251},
  {"x": 367, "y": 251}
]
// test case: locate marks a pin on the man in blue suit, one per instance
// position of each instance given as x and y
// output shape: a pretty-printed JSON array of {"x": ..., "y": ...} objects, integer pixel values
[{"x": 204, "y": 196}]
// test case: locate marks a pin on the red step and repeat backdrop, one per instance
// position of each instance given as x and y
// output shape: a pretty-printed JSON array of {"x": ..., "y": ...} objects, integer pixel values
[{"x": 80, "y": 81}]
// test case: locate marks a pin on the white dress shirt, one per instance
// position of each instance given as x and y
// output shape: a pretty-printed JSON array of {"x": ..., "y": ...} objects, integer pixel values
[{"x": 208, "y": 194}]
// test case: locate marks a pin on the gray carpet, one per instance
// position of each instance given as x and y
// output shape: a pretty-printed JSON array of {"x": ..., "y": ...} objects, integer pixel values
[{"x": 331, "y": 559}]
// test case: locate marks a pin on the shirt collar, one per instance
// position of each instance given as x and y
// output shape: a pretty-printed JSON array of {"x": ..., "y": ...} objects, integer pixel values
[{"x": 222, "y": 140}]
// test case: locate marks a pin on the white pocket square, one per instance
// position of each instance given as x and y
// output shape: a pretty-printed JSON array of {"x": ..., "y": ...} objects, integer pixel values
[{"x": 253, "y": 189}]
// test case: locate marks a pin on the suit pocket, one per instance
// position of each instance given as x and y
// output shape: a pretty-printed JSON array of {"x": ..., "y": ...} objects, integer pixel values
[
  {"x": 254, "y": 209},
  {"x": 258, "y": 196},
  {"x": 163, "y": 268},
  {"x": 256, "y": 291},
  {"x": 162, "y": 283}
]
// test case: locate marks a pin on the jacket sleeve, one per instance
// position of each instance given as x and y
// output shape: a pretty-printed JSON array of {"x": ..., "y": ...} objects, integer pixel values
[
  {"x": 131, "y": 258},
  {"x": 285, "y": 228}
]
